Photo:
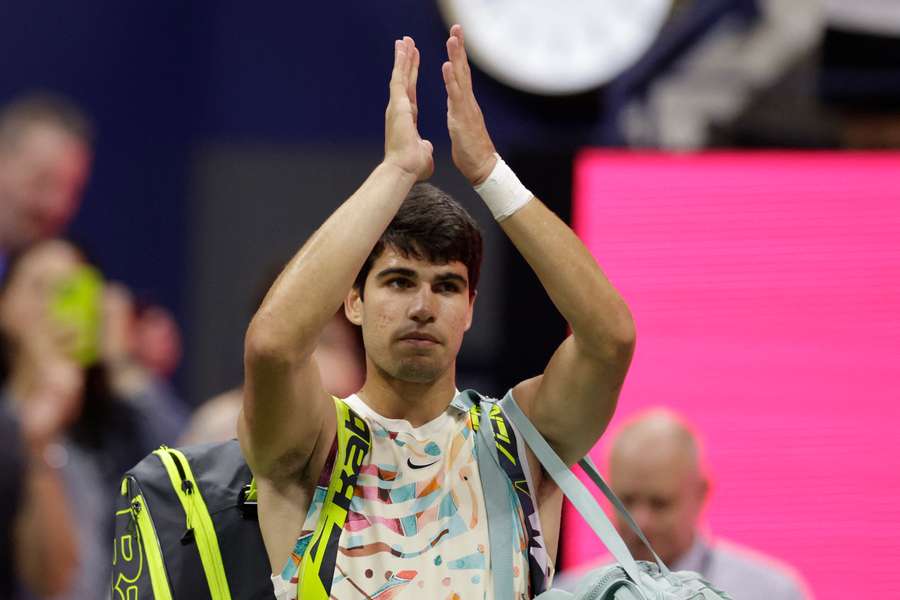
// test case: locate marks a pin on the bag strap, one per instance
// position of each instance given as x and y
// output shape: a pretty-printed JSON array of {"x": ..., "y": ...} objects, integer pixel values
[
  {"x": 318, "y": 565},
  {"x": 594, "y": 474},
  {"x": 497, "y": 507},
  {"x": 573, "y": 488},
  {"x": 497, "y": 455}
]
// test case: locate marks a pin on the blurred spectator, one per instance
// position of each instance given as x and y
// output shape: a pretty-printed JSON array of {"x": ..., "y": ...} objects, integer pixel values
[
  {"x": 38, "y": 522},
  {"x": 45, "y": 156},
  {"x": 341, "y": 361},
  {"x": 127, "y": 342},
  {"x": 56, "y": 380},
  {"x": 655, "y": 468},
  {"x": 157, "y": 340}
]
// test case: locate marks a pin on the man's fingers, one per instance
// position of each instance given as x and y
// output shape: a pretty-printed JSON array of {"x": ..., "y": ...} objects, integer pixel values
[
  {"x": 456, "y": 31},
  {"x": 457, "y": 53},
  {"x": 456, "y": 61},
  {"x": 450, "y": 82},
  {"x": 400, "y": 74},
  {"x": 413, "y": 75}
]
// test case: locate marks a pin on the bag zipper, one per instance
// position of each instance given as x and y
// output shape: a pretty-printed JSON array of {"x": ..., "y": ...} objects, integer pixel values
[
  {"x": 150, "y": 542},
  {"x": 198, "y": 524}
]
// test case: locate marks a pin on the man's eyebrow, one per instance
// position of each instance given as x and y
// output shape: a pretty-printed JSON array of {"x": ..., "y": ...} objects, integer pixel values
[
  {"x": 451, "y": 277},
  {"x": 396, "y": 271}
]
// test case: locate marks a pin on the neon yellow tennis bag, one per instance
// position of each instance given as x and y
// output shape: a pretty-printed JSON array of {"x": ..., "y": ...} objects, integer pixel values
[{"x": 187, "y": 528}]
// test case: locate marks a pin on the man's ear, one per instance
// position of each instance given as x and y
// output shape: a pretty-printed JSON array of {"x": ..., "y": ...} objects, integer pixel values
[
  {"x": 702, "y": 490},
  {"x": 471, "y": 314},
  {"x": 353, "y": 306}
]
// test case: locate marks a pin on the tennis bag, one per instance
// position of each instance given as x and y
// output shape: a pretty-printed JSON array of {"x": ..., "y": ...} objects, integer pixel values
[
  {"x": 627, "y": 580},
  {"x": 186, "y": 521}
]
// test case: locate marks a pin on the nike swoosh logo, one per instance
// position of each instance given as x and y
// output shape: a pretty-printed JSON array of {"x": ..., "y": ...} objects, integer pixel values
[{"x": 410, "y": 464}]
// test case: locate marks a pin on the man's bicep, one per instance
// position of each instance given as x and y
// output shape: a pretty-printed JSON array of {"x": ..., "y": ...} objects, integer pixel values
[
  {"x": 286, "y": 412},
  {"x": 573, "y": 401}
]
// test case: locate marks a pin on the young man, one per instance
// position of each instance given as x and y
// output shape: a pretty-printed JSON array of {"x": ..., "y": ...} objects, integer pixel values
[{"x": 405, "y": 264}]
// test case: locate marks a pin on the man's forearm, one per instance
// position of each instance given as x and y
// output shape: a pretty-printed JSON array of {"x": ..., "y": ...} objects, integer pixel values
[
  {"x": 598, "y": 315},
  {"x": 316, "y": 281}
]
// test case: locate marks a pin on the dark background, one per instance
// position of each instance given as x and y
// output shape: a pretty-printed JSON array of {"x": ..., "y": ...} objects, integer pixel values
[{"x": 228, "y": 131}]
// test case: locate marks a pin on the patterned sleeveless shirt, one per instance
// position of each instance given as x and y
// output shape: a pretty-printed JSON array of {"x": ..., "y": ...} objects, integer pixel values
[{"x": 417, "y": 525}]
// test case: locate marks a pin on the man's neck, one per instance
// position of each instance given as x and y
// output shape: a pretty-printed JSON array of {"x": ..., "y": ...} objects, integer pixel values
[{"x": 417, "y": 403}]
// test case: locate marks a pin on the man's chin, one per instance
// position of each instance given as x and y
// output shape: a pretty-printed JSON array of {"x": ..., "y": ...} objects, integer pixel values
[{"x": 418, "y": 370}]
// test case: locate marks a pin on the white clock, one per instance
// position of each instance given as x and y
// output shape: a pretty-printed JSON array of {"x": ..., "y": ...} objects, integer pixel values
[{"x": 556, "y": 47}]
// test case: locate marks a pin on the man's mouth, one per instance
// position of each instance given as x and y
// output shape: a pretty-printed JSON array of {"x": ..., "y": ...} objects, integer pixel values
[{"x": 419, "y": 339}]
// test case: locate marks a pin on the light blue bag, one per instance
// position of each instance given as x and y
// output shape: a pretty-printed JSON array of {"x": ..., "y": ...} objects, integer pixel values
[{"x": 627, "y": 580}]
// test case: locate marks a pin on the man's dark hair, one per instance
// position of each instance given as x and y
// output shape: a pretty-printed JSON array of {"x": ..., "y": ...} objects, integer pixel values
[
  {"x": 432, "y": 226},
  {"x": 42, "y": 107}
]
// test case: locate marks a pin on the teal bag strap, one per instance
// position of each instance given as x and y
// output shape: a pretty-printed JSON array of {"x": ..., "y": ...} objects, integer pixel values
[
  {"x": 499, "y": 512},
  {"x": 574, "y": 490},
  {"x": 594, "y": 474},
  {"x": 496, "y": 497}
]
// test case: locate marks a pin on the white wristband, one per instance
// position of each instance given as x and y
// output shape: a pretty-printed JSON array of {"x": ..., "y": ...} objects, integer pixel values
[{"x": 502, "y": 191}]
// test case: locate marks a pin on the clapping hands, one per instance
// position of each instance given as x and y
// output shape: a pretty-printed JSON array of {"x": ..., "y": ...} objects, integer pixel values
[{"x": 472, "y": 148}]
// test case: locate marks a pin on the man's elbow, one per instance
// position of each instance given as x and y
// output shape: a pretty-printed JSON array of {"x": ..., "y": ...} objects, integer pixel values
[
  {"x": 613, "y": 338},
  {"x": 626, "y": 334},
  {"x": 268, "y": 342}
]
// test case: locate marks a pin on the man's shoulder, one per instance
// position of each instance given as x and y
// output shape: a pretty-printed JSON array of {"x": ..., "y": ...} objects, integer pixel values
[{"x": 736, "y": 567}]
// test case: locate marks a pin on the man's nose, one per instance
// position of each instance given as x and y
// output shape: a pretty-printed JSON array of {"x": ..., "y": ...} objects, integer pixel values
[
  {"x": 642, "y": 515},
  {"x": 421, "y": 309}
]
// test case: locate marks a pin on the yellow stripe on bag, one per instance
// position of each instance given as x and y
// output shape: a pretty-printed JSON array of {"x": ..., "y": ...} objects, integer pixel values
[
  {"x": 198, "y": 519},
  {"x": 317, "y": 568},
  {"x": 158, "y": 579}
]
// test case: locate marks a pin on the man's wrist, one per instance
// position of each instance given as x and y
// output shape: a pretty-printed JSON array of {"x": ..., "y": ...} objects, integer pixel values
[
  {"x": 502, "y": 191},
  {"x": 394, "y": 170},
  {"x": 486, "y": 171}
]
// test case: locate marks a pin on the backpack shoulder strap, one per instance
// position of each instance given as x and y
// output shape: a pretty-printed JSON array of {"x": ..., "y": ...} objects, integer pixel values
[
  {"x": 353, "y": 444},
  {"x": 496, "y": 497},
  {"x": 499, "y": 459}
]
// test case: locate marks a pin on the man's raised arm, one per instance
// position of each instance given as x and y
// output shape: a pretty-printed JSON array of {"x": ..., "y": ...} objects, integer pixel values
[
  {"x": 574, "y": 399},
  {"x": 286, "y": 411}
]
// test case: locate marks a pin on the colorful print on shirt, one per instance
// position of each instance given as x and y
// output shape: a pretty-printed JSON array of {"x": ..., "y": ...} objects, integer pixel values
[{"x": 417, "y": 525}]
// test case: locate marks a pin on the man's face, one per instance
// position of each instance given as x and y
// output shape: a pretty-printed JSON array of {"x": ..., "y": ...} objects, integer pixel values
[
  {"x": 414, "y": 315},
  {"x": 664, "y": 493},
  {"x": 41, "y": 179}
]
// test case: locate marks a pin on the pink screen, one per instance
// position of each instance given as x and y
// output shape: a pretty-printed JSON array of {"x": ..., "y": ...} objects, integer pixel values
[{"x": 766, "y": 292}]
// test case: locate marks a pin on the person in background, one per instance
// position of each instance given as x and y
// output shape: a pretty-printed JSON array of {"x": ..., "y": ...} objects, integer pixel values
[
  {"x": 158, "y": 345},
  {"x": 341, "y": 362},
  {"x": 80, "y": 434},
  {"x": 38, "y": 523},
  {"x": 45, "y": 158},
  {"x": 656, "y": 469},
  {"x": 140, "y": 351}
]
